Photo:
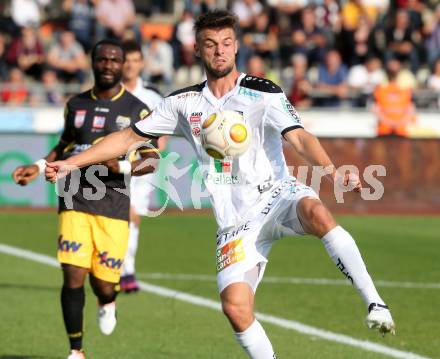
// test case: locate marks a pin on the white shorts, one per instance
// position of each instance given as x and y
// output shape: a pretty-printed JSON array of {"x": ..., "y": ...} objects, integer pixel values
[
  {"x": 247, "y": 246},
  {"x": 141, "y": 190}
]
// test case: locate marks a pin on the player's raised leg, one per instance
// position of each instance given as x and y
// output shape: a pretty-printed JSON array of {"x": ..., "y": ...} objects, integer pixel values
[
  {"x": 342, "y": 249},
  {"x": 238, "y": 306},
  {"x": 106, "y": 294}
]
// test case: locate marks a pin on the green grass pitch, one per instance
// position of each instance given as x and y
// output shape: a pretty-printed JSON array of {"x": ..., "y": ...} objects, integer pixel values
[{"x": 396, "y": 249}]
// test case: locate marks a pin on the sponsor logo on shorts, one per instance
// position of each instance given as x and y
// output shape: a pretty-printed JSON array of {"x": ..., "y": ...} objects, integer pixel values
[
  {"x": 292, "y": 186},
  {"x": 229, "y": 254},
  {"x": 224, "y": 237},
  {"x": 65, "y": 245},
  {"x": 109, "y": 262}
]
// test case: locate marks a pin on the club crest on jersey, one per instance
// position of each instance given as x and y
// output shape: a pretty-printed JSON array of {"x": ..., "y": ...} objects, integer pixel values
[
  {"x": 122, "y": 122},
  {"x": 98, "y": 122},
  {"x": 194, "y": 121},
  {"x": 80, "y": 116}
]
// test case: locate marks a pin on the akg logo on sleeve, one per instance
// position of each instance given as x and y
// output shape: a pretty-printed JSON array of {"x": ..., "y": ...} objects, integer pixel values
[{"x": 288, "y": 107}]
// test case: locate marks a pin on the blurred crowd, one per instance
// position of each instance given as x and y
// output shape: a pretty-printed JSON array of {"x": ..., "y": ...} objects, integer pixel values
[{"x": 325, "y": 53}]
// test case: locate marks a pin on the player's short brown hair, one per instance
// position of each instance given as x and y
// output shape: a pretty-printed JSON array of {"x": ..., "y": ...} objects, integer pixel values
[{"x": 216, "y": 19}]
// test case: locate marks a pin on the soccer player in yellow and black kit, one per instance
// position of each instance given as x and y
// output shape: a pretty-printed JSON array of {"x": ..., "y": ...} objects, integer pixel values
[{"x": 93, "y": 225}]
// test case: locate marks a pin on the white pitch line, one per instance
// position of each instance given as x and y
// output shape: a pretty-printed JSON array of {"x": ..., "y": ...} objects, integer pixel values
[
  {"x": 209, "y": 303},
  {"x": 289, "y": 280}
]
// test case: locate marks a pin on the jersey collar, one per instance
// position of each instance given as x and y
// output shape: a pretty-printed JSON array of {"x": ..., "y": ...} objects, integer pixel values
[
  {"x": 114, "y": 98},
  {"x": 218, "y": 102}
]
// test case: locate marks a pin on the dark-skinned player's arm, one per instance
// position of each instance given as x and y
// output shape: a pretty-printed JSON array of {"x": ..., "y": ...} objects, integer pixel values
[
  {"x": 112, "y": 146},
  {"x": 23, "y": 175},
  {"x": 309, "y": 147}
]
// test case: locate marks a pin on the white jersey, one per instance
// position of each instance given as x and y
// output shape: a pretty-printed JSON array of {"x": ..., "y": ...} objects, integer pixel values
[
  {"x": 235, "y": 185},
  {"x": 149, "y": 97},
  {"x": 140, "y": 186}
]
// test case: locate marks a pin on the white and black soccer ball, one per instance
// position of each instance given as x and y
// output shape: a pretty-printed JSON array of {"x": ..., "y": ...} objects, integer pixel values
[{"x": 225, "y": 134}]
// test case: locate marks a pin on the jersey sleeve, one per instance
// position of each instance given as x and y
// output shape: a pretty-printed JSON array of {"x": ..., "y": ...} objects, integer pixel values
[
  {"x": 282, "y": 115},
  {"x": 162, "y": 121}
]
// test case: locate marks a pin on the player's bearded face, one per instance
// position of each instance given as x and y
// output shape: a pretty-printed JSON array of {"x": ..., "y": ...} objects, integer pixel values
[
  {"x": 107, "y": 66},
  {"x": 217, "y": 49}
]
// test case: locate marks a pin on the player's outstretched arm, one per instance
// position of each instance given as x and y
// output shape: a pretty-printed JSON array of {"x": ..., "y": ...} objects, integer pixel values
[
  {"x": 23, "y": 175},
  {"x": 309, "y": 147},
  {"x": 112, "y": 146}
]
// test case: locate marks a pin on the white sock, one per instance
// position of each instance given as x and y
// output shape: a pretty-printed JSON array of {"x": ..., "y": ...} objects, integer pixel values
[
  {"x": 344, "y": 252},
  {"x": 255, "y": 342},
  {"x": 129, "y": 260}
]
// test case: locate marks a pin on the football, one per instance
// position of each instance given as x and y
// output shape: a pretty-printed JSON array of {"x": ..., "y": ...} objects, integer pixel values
[{"x": 225, "y": 134}]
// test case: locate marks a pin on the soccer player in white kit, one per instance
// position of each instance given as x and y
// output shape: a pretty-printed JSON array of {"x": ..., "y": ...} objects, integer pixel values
[
  {"x": 255, "y": 200},
  {"x": 140, "y": 186}
]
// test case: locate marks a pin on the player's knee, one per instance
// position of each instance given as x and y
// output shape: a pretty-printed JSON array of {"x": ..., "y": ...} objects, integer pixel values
[
  {"x": 239, "y": 314},
  {"x": 318, "y": 219},
  {"x": 73, "y": 276},
  {"x": 106, "y": 294}
]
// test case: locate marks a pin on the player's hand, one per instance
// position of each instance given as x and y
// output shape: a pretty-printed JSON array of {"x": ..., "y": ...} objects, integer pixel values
[
  {"x": 23, "y": 175},
  {"x": 352, "y": 182},
  {"x": 348, "y": 181},
  {"x": 56, "y": 170},
  {"x": 112, "y": 165}
]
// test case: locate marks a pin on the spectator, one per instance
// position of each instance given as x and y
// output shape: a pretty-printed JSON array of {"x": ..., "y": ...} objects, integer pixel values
[
  {"x": 315, "y": 40},
  {"x": 51, "y": 91},
  {"x": 3, "y": 62},
  {"x": 301, "y": 87},
  {"x": 434, "y": 81},
  {"x": 356, "y": 46},
  {"x": 257, "y": 67},
  {"x": 402, "y": 42},
  {"x": 15, "y": 91},
  {"x": 68, "y": 59},
  {"x": 332, "y": 77},
  {"x": 328, "y": 17},
  {"x": 364, "y": 78},
  {"x": 247, "y": 11},
  {"x": 353, "y": 11},
  {"x": 186, "y": 38},
  {"x": 405, "y": 78},
  {"x": 26, "y": 53},
  {"x": 158, "y": 58},
  {"x": 81, "y": 20},
  {"x": 26, "y": 13},
  {"x": 114, "y": 17},
  {"x": 433, "y": 38},
  {"x": 393, "y": 107},
  {"x": 395, "y": 112},
  {"x": 198, "y": 7},
  {"x": 260, "y": 40}
]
